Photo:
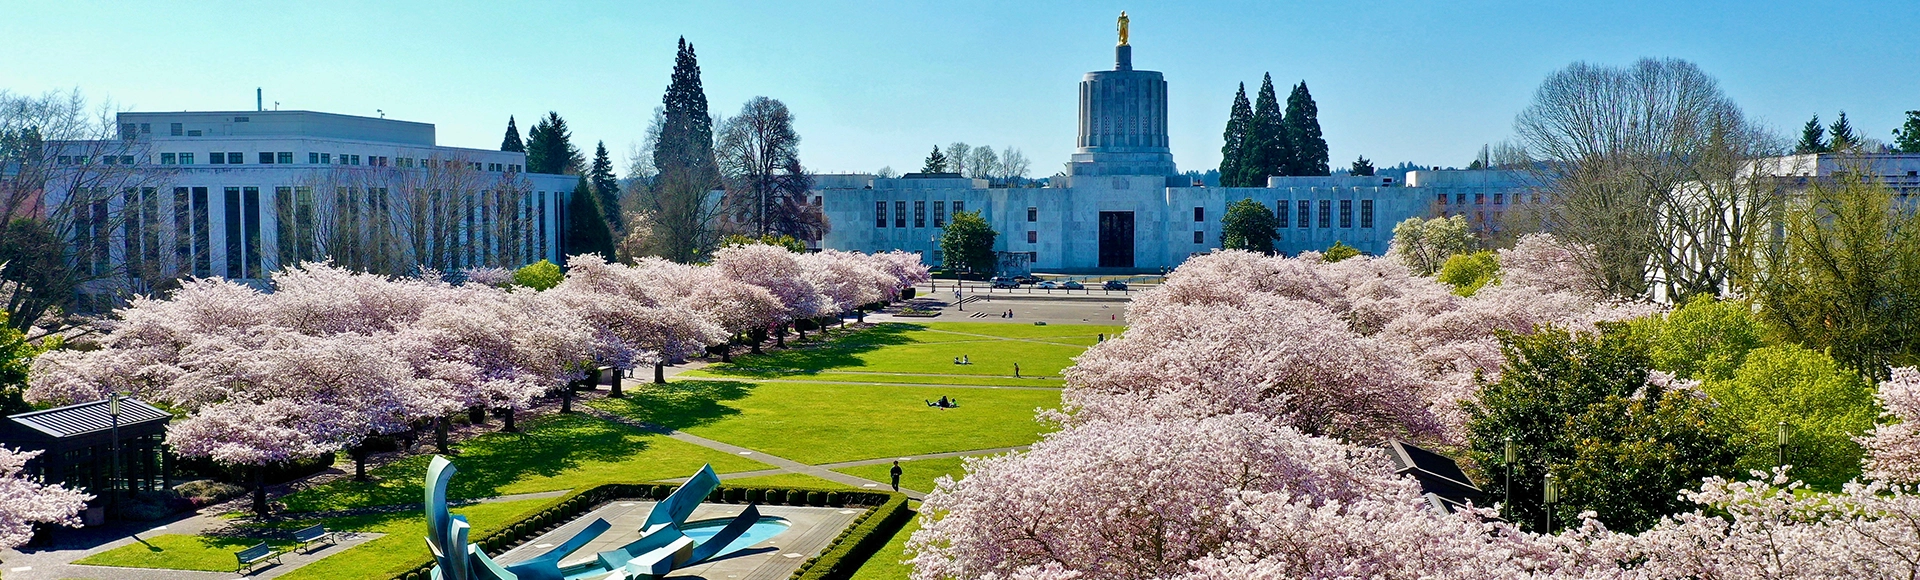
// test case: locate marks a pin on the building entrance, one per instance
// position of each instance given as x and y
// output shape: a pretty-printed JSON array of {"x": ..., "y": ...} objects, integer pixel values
[{"x": 1116, "y": 239}]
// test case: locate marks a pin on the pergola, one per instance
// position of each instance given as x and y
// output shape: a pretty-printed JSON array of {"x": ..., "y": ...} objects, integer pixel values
[{"x": 78, "y": 444}]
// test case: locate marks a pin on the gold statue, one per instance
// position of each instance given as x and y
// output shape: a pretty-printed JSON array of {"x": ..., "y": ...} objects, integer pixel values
[{"x": 1123, "y": 28}]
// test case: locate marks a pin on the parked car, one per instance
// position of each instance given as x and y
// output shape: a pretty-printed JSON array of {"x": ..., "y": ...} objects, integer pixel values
[
  {"x": 1027, "y": 279},
  {"x": 1046, "y": 285},
  {"x": 1072, "y": 285},
  {"x": 1114, "y": 285},
  {"x": 1005, "y": 282}
]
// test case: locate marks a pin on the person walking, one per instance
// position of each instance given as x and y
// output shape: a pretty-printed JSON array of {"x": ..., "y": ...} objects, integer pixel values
[
  {"x": 896, "y": 475},
  {"x": 1016, "y": 370}
]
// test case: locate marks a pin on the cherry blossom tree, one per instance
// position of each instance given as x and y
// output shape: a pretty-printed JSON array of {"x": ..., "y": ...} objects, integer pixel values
[
  {"x": 1893, "y": 448},
  {"x": 24, "y": 503},
  {"x": 778, "y": 271}
]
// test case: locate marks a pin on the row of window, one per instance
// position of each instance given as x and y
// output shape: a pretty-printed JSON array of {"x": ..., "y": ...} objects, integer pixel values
[
  {"x": 87, "y": 159},
  {"x": 1481, "y": 198},
  {"x": 919, "y": 213},
  {"x": 313, "y": 158}
]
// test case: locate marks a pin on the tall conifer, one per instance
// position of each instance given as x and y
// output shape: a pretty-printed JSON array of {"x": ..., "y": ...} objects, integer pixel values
[
  {"x": 1842, "y": 134},
  {"x": 686, "y": 136},
  {"x": 512, "y": 141},
  {"x": 1813, "y": 137},
  {"x": 606, "y": 187},
  {"x": 550, "y": 148},
  {"x": 1309, "y": 148},
  {"x": 1268, "y": 151},
  {"x": 586, "y": 227},
  {"x": 1233, "y": 154}
]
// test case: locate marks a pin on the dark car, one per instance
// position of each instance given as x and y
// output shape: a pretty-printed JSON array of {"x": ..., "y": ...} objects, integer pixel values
[
  {"x": 1114, "y": 285},
  {"x": 1005, "y": 282},
  {"x": 1072, "y": 285}
]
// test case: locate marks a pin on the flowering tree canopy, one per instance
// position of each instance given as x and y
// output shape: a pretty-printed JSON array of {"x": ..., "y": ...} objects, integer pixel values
[{"x": 24, "y": 503}]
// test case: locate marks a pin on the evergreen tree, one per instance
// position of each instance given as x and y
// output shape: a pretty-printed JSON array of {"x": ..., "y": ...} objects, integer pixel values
[
  {"x": 1813, "y": 138},
  {"x": 1842, "y": 134},
  {"x": 606, "y": 187},
  {"x": 936, "y": 162},
  {"x": 1309, "y": 149},
  {"x": 1906, "y": 139},
  {"x": 967, "y": 243},
  {"x": 512, "y": 142},
  {"x": 550, "y": 148},
  {"x": 1361, "y": 167},
  {"x": 686, "y": 137},
  {"x": 586, "y": 228},
  {"x": 1234, "y": 152},
  {"x": 1268, "y": 150},
  {"x": 1249, "y": 225}
]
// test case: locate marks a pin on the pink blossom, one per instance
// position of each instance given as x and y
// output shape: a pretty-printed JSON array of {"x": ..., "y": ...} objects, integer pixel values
[
  {"x": 24, "y": 503},
  {"x": 1893, "y": 448}
]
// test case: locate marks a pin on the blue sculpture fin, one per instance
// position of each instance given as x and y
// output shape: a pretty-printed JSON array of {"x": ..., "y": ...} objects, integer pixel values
[
  {"x": 546, "y": 566},
  {"x": 681, "y": 502},
  {"x": 727, "y": 535}
]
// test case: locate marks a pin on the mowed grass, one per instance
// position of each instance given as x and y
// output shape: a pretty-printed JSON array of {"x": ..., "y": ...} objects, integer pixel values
[
  {"x": 403, "y": 545},
  {"x": 819, "y": 423},
  {"x": 179, "y": 552},
  {"x": 917, "y": 474},
  {"x": 889, "y": 378},
  {"x": 930, "y": 348},
  {"x": 557, "y": 452}
]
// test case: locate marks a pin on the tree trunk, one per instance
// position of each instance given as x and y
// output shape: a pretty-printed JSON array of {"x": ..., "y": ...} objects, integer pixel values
[
  {"x": 659, "y": 373},
  {"x": 566, "y": 398},
  {"x": 440, "y": 427},
  {"x": 506, "y": 420},
  {"x": 726, "y": 352},
  {"x": 780, "y": 338},
  {"x": 260, "y": 491},
  {"x": 756, "y": 337},
  {"x": 477, "y": 414},
  {"x": 802, "y": 331},
  {"x": 615, "y": 391}
]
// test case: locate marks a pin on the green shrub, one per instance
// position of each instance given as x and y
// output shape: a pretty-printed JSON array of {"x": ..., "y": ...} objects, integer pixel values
[
  {"x": 859, "y": 543},
  {"x": 1468, "y": 273},
  {"x": 835, "y": 499},
  {"x": 1338, "y": 251},
  {"x": 794, "y": 497},
  {"x": 815, "y": 498},
  {"x": 539, "y": 275}
]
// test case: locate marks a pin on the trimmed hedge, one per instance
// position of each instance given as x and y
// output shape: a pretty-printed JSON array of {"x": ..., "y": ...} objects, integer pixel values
[
  {"x": 569, "y": 507},
  {"x": 858, "y": 543}
]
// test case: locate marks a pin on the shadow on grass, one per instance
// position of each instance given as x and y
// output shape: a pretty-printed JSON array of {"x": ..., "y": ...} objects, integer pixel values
[
  {"x": 549, "y": 447},
  {"x": 679, "y": 405},
  {"x": 841, "y": 351}
]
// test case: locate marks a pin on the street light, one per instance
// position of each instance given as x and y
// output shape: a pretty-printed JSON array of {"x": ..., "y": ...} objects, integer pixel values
[
  {"x": 1552, "y": 497},
  {"x": 1511, "y": 453},
  {"x": 113, "y": 412},
  {"x": 1781, "y": 432}
]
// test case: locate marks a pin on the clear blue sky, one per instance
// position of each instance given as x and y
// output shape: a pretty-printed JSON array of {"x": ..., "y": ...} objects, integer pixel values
[{"x": 880, "y": 83}]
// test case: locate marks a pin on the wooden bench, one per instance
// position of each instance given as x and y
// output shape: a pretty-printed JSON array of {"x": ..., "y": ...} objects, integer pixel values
[
  {"x": 253, "y": 556},
  {"x": 313, "y": 535}
]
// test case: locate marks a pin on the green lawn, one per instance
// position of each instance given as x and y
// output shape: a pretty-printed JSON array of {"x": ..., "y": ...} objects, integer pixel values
[
  {"x": 931, "y": 348},
  {"x": 917, "y": 475},
  {"x": 403, "y": 545},
  {"x": 876, "y": 377},
  {"x": 827, "y": 423},
  {"x": 178, "y": 552},
  {"x": 558, "y": 452},
  {"x": 886, "y": 564},
  {"x": 789, "y": 480}
]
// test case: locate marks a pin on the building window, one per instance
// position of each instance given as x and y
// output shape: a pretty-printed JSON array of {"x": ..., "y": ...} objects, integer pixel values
[
  {"x": 168, "y": 159},
  {"x": 959, "y": 206},
  {"x": 193, "y": 133},
  {"x": 1442, "y": 198},
  {"x": 1366, "y": 213},
  {"x": 313, "y": 158},
  {"x": 1033, "y": 237},
  {"x": 356, "y": 160},
  {"x": 186, "y": 159},
  {"x": 1326, "y": 213},
  {"x": 126, "y": 160},
  {"x": 939, "y": 213},
  {"x": 1199, "y": 237},
  {"x": 1499, "y": 198},
  {"x": 236, "y": 158},
  {"x": 1199, "y": 214},
  {"x": 175, "y": 130},
  {"x": 1306, "y": 213},
  {"x": 1479, "y": 199},
  {"x": 920, "y": 214},
  {"x": 1346, "y": 213},
  {"x": 900, "y": 214},
  {"x": 1280, "y": 214},
  {"x": 1033, "y": 214},
  {"x": 1536, "y": 199},
  {"x": 217, "y": 158},
  {"x": 266, "y": 158},
  {"x": 879, "y": 214},
  {"x": 1460, "y": 199}
]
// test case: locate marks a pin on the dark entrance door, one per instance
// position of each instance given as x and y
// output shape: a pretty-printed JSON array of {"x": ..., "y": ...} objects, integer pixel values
[{"x": 1116, "y": 239}]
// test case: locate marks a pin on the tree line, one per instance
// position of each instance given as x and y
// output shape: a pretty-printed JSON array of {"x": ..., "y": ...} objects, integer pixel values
[{"x": 1263, "y": 142}]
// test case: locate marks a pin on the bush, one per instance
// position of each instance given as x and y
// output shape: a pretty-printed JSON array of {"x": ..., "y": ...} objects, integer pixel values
[
  {"x": 1338, "y": 251},
  {"x": 815, "y": 498},
  {"x": 859, "y": 543},
  {"x": 794, "y": 497},
  {"x": 208, "y": 492},
  {"x": 539, "y": 275},
  {"x": 907, "y": 293},
  {"x": 1468, "y": 273}
]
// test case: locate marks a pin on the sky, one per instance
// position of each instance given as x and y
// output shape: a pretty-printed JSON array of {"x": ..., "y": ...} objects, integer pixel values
[{"x": 875, "y": 84}]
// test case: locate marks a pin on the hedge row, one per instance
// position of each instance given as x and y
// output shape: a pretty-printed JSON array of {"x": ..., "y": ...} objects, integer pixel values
[
  {"x": 858, "y": 542},
  {"x": 571, "y": 506}
]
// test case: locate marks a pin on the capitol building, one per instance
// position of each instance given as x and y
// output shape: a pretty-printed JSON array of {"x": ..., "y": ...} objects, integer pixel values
[{"x": 1123, "y": 206}]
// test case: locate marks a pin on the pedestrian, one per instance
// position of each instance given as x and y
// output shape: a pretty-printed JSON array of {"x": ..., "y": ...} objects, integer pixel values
[
  {"x": 1016, "y": 370},
  {"x": 896, "y": 475}
]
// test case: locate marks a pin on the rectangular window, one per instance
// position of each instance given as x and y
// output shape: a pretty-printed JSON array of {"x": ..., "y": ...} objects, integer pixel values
[
  {"x": 939, "y": 213},
  {"x": 193, "y": 133},
  {"x": 1033, "y": 214},
  {"x": 1280, "y": 214},
  {"x": 182, "y": 229},
  {"x": 126, "y": 160},
  {"x": 231, "y": 211},
  {"x": 168, "y": 159},
  {"x": 1499, "y": 199},
  {"x": 109, "y": 159},
  {"x": 146, "y": 128},
  {"x": 285, "y": 157},
  {"x": 1442, "y": 198},
  {"x": 1366, "y": 213},
  {"x": 236, "y": 158},
  {"x": 129, "y": 131},
  {"x": 1033, "y": 237},
  {"x": 1199, "y": 214},
  {"x": 1326, "y": 213},
  {"x": 266, "y": 158},
  {"x": 1534, "y": 199},
  {"x": 879, "y": 214},
  {"x": 919, "y": 213},
  {"x": 1459, "y": 199},
  {"x": 1199, "y": 237},
  {"x": 217, "y": 158},
  {"x": 186, "y": 159},
  {"x": 1479, "y": 199},
  {"x": 543, "y": 224},
  {"x": 959, "y": 206},
  {"x": 326, "y": 159},
  {"x": 900, "y": 214},
  {"x": 250, "y": 215},
  {"x": 175, "y": 129},
  {"x": 1346, "y": 213},
  {"x": 1306, "y": 213},
  {"x": 356, "y": 160},
  {"x": 313, "y": 158},
  {"x": 202, "y": 235}
]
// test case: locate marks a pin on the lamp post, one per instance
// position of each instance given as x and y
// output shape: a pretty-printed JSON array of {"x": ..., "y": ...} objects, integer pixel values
[
  {"x": 1781, "y": 432},
  {"x": 113, "y": 413},
  {"x": 1510, "y": 453},
  {"x": 1552, "y": 497}
]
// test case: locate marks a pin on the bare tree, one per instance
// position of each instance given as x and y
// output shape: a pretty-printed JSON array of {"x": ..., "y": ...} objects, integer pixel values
[
  {"x": 439, "y": 213},
  {"x": 1013, "y": 164},
  {"x": 78, "y": 202},
  {"x": 958, "y": 157},
  {"x": 759, "y": 157},
  {"x": 1643, "y": 166},
  {"x": 983, "y": 163}
]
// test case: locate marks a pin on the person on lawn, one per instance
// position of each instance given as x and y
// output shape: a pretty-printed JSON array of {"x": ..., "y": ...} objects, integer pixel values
[{"x": 896, "y": 475}]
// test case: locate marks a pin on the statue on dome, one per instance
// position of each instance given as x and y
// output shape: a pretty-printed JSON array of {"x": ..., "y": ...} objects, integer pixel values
[{"x": 1123, "y": 28}]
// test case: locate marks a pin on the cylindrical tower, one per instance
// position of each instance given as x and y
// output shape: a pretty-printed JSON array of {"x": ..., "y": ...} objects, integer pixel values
[{"x": 1123, "y": 121}]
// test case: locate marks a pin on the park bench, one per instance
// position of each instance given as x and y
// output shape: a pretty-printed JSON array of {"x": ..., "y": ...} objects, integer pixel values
[
  {"x": 313, "y": 535},
  {"x": 253, "y": 556}
]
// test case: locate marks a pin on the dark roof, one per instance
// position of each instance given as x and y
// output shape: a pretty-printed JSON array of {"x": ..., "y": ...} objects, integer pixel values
[
  {"x": 1439, "y": 476},
  {"x": 84, "y": 418}
]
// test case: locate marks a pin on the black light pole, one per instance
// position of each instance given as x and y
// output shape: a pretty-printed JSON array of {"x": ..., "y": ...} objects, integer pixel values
[
  {"x": 1510, "y": 453},
  {"x": 1552, "y": 497},
  {"x": 1780, "y": 432},
  {"x": 113, "y": 412}
]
